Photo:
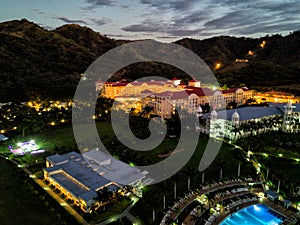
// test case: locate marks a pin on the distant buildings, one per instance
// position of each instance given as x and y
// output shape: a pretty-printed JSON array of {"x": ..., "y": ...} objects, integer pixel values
[
  {"x": 80, "y": 178},
  {"x": 164, "y": 96},
  {"x": 276, "y": 97}
]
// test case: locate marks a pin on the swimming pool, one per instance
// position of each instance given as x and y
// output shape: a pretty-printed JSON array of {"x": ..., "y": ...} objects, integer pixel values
[{"x": 258, "y": 214}]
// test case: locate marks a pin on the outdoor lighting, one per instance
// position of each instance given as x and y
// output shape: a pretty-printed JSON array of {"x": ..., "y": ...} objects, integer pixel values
[
  {"x": 52, "y": 123},
  {"x": 218, "y": 65},
  {"x": 256, "y": 207},
  {"x": 265, "y": 154},
  {"x": 280, "y": 155},
  {"x": 263, "y": 44}
]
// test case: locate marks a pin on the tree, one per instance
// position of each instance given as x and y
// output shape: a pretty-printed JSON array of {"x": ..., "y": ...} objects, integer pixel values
[
  {"x": 236, "y": 130},
  {"x": 103, "y": 196}
]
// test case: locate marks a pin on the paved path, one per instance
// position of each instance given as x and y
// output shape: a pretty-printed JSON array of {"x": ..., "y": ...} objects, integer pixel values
[
  {"x": 55, "y": 196},
  {"x": 125, "y": 213}
]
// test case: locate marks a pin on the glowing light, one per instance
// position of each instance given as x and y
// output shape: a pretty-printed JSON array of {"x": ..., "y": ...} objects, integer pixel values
[
  {"x": 250, "y": 53},
  {"x": 52, "y": 123},
  {"x": 256, "y": 207},
  {"x": 2, "y": 131},
  {"x": 265, "y": 154},
  {"x": 263, "y": 44},
  {"x": 218, "y": 65},
  {"x": 280, "y": 155},
  {"x": 62, "y": 121},
  {"x": 94, "y": 117}
]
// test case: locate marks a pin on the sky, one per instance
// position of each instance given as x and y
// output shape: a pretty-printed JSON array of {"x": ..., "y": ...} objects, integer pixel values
[{"x": 165, "y": 20}]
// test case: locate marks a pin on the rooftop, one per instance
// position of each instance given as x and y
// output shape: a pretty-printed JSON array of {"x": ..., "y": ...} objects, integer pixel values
[
  {"x": 112, "y": 168},
  {"x": 249, "y": 113},
  {"x": 73, "y": 172}
]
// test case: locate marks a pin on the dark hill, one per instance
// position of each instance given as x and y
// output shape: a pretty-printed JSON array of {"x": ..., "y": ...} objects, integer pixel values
[{"x": 35, "y": 61}]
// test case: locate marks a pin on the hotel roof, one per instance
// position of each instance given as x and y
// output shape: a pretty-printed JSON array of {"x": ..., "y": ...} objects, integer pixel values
[
  {"x": 113, "y": 169},
  {"x": 76, "y": 175},
  {"x": 249, "y": 113}
]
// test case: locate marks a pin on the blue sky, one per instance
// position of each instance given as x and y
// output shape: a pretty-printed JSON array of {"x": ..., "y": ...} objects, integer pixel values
[{"x": 161, "y": 20}]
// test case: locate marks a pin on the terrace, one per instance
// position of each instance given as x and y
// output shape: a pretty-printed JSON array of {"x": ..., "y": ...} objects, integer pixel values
[{"x": 214, "y": 202}]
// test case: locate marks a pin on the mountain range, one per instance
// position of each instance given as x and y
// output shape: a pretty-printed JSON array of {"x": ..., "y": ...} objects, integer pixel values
[{"x": 36, "y": 62}]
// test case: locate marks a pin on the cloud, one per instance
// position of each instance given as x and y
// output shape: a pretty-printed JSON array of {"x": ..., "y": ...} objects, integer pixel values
[
  {"x": 256, "y": 17},
  {"x": 101, "y": 22},
  {"x": 178, "y": 5},
  {"x": 67, "y": 20},
  {"x": 38, "y": 11},
  {"x": 267, "y": 28},
  {"x": 164, "y": 29},
  {"x": 147, "y": 25},
  {"x": 93, "y": 4},
  {"x": 99, "y": 3}
]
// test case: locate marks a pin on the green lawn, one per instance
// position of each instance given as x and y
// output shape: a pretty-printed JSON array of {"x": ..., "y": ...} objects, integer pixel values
[
  {"x": 111, "y": 210},
  {"x": 153, "y": 195},
  {"x": 62, "y": 140},
  {"x": 23, "y": 202}
]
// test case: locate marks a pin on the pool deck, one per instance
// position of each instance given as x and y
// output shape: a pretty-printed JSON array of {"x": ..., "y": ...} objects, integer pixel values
[
  {"x": 265, "y": 201},
  {"x": 223, "y": 215}
]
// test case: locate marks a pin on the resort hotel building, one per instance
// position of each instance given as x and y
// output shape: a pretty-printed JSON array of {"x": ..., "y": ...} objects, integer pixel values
[
  {"x": 81, "y": 176},
  {"x": 165, "y": 96},
  {"x": 246, "y": 121}
]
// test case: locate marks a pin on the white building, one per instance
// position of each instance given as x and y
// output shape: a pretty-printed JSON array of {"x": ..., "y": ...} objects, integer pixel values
[{"x": 247, "y": 121}]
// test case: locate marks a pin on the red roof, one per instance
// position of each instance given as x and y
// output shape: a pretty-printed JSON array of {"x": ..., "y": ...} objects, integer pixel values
[
  {"x": 199, "y": 91},
  {"x": 232, "y": 90},
  {"x": 179, "y": 95}
]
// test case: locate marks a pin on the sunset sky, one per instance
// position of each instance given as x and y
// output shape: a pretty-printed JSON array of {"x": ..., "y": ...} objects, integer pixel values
[{"x": 161, "y": 20}]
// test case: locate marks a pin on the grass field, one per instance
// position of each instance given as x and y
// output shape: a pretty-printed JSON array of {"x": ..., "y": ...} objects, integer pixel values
[
  {"x": 23, "y": 202},
  {"x": 62, "y": 140}
]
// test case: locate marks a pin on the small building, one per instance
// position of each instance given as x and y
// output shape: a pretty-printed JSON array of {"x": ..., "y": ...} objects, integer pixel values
[{"x": 271, "y": 195}]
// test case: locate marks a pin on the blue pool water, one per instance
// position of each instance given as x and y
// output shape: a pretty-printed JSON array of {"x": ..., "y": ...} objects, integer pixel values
[{"x": 254, "y": 215}]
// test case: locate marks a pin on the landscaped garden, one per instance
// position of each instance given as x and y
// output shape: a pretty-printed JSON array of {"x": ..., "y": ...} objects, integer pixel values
[{"x": 267, "y": 149}]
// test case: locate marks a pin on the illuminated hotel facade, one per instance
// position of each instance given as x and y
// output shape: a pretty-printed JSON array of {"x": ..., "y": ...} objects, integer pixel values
[
  {"x": 164, "y": 96},
  {"x": 242, "y": 122}
]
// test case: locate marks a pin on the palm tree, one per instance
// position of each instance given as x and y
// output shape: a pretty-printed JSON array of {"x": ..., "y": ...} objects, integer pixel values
[
  {"x": 148, "y": 112},
  {"x": 236, "y": 130},
  {"x": 221, "y": 164},
  {"x": 104, "y": 195},
  {"x": 152, "y": 202}
]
